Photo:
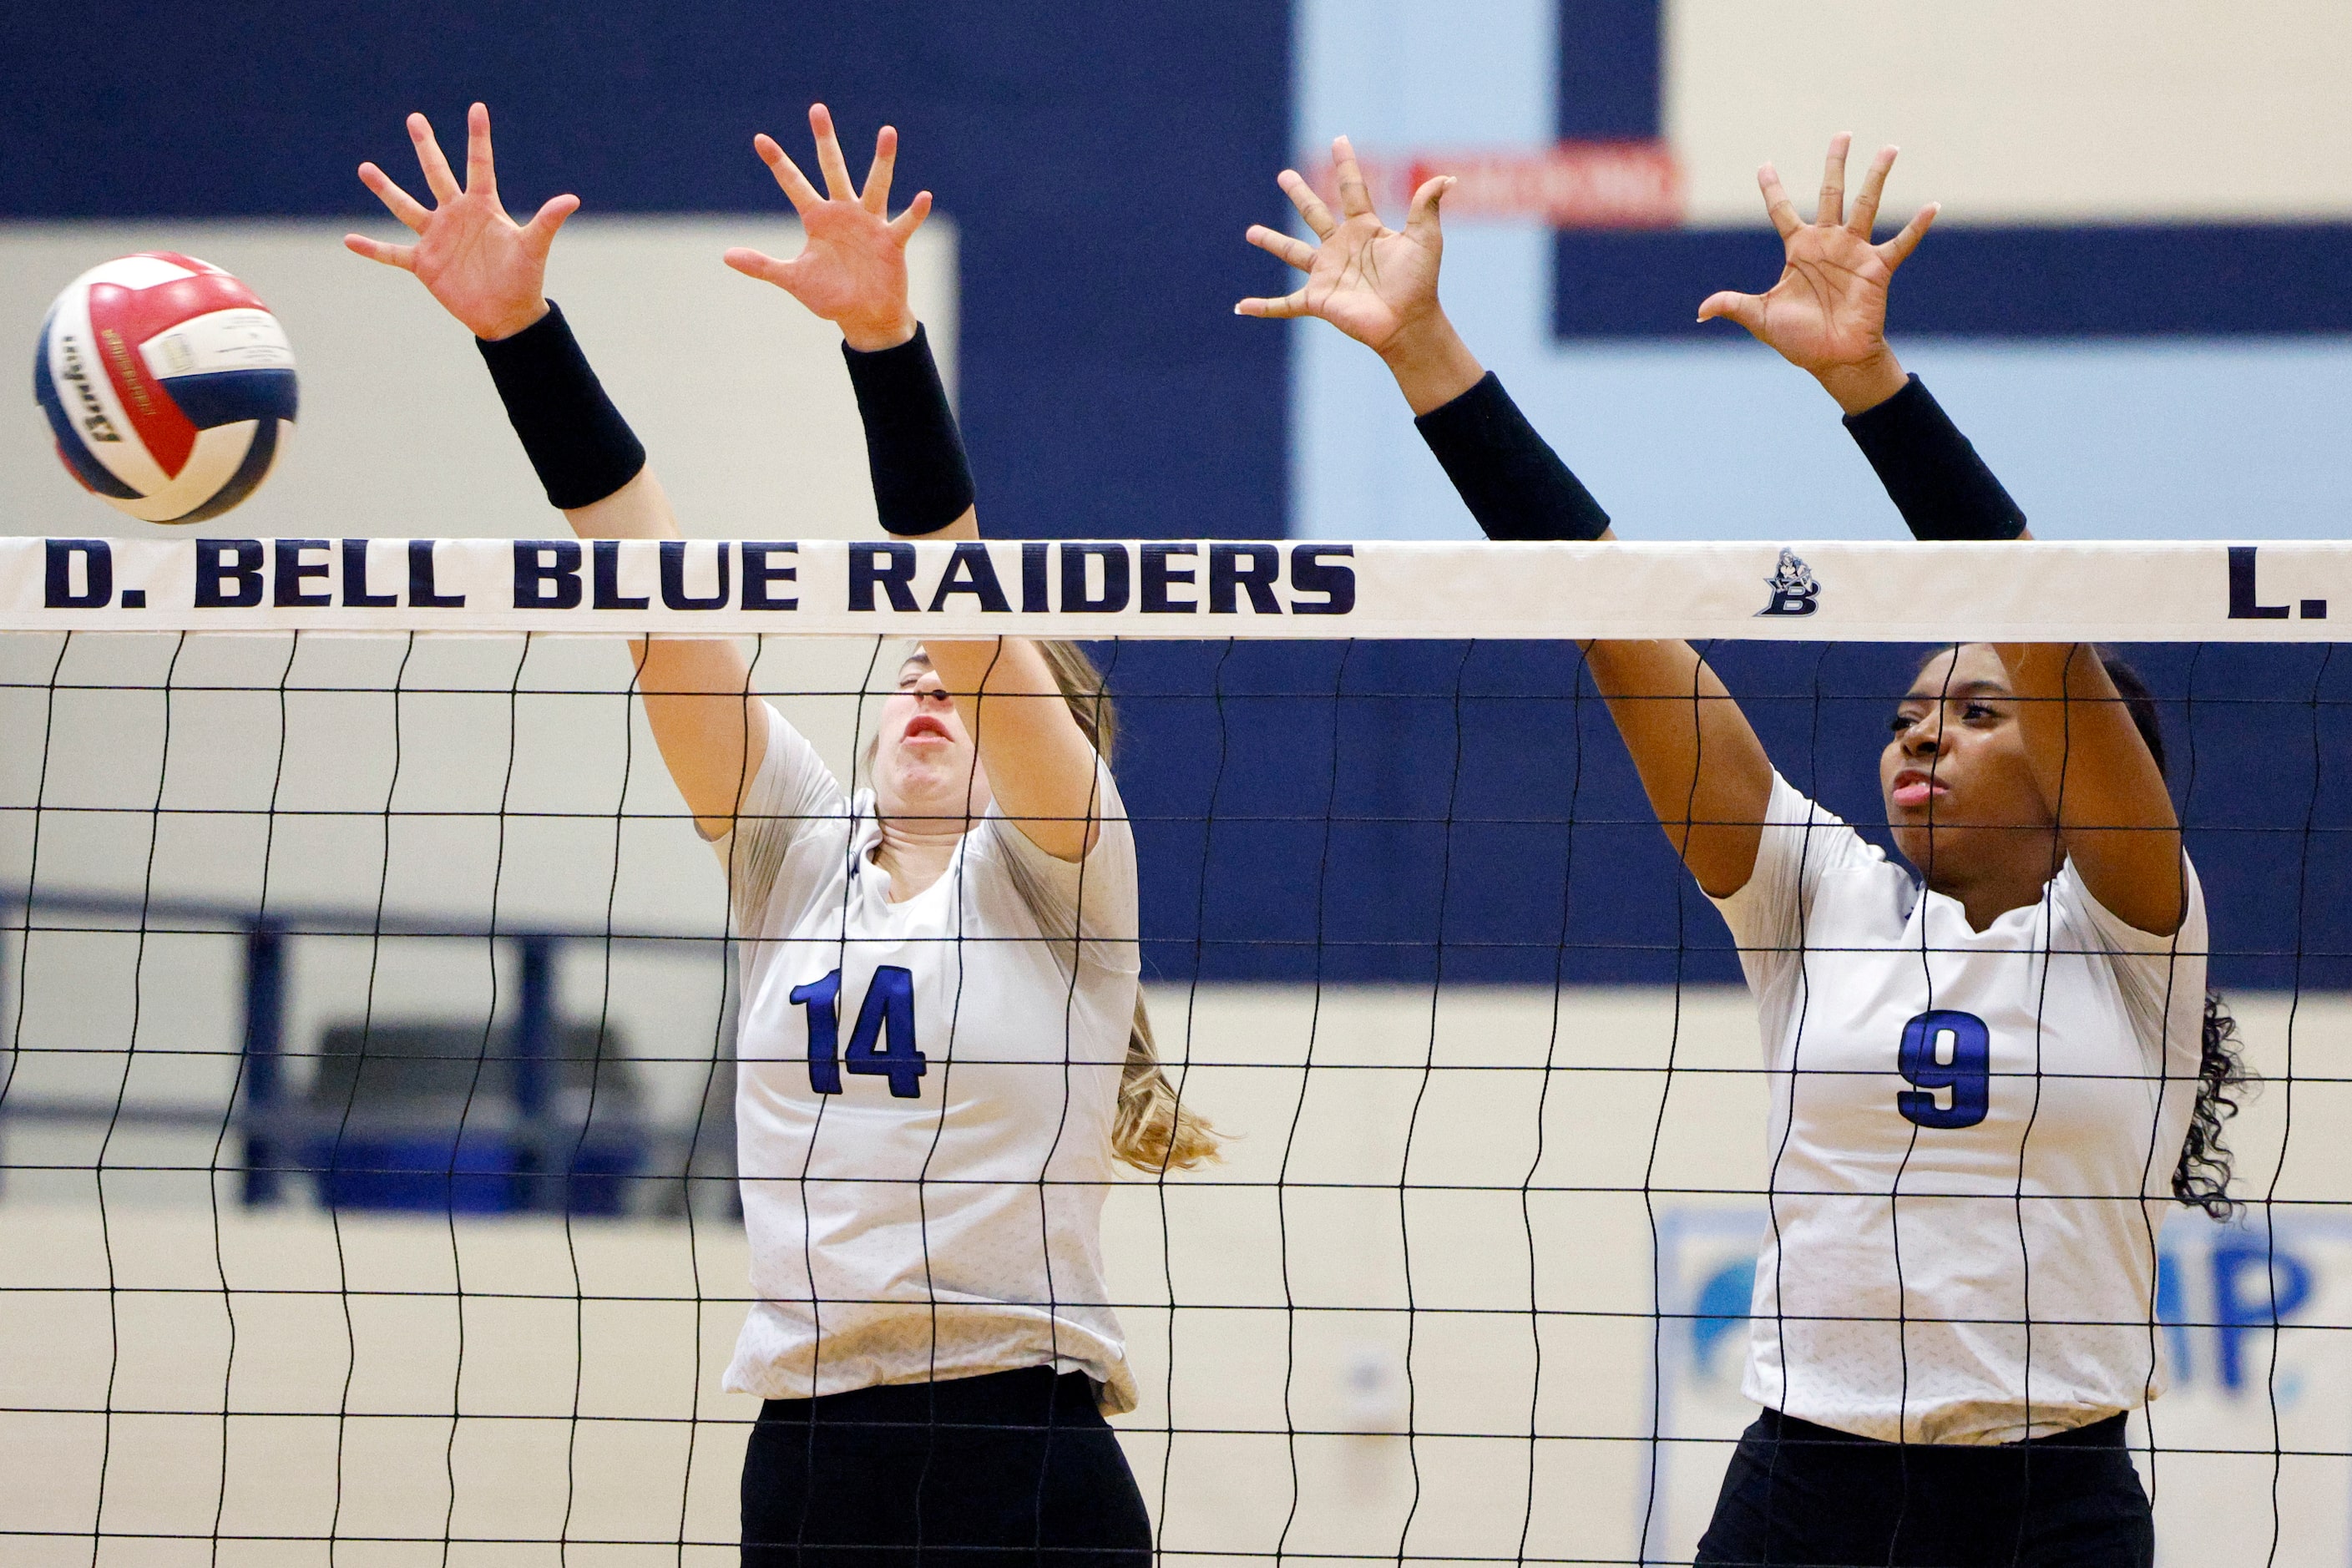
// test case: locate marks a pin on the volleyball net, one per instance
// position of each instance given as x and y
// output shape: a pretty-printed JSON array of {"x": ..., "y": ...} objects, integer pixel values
[{"x": 366, "y": 1145}]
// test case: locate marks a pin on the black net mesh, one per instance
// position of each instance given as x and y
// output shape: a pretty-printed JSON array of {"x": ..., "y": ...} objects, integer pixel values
[{"x": 370, "y": 1160}]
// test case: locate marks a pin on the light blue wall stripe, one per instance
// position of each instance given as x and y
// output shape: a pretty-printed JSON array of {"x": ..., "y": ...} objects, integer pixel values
[
  {"x": 2192, "y": 438},
  {"x": 1404, "y": 73}
]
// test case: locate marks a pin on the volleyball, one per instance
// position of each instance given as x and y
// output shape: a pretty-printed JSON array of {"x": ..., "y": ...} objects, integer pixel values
[{"x": 169, "y": 385}]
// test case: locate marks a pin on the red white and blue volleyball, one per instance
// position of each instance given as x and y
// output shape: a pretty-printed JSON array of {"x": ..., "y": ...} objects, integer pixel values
[{"x": 169, "y": 385}]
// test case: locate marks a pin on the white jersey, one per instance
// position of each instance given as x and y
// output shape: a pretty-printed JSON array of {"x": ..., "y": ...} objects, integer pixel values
[
  {"x": 925, "y": 1094},
  {"x": 1973, "y": 1135}
]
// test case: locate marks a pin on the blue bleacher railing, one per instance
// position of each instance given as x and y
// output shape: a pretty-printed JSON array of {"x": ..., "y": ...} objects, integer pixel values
[{"x": 547, "y": 1121}]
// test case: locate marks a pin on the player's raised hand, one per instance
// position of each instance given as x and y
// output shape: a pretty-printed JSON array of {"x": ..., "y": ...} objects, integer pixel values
[
  {"x": 1372, "y": 281},
  {"x": 486, "y": 270},
  {"x": 1377, "y": 284},
  {"x": 1828, "y": 312},
  {"x": 853, "y": 270}
]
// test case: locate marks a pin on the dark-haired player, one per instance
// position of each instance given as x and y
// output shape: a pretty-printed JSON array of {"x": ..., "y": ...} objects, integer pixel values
[{"x": 1988, "y": 1072}]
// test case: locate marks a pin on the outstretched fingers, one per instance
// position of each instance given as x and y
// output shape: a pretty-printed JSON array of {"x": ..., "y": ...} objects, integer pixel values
[
  {"x": 1355, "y": 196},
  {"x": 1421, "y": 217},
  {"x": 1748, "y": 309},
  {"x": 401, "y": 255},
  {"x": 1280, "y": 309},
  {"x": 1290, "y": 247},
  {"x": 829, "y": 161},
  {"x": 538, "y": 234},
  {"x": 1832, "y": 204},
  {"x": 481, "y": 169},
  {"x": 758, "y": 264},
  {"x": 404, "y": 206},
  {"x": 1777, "y": 204},
  {"x": 1311, "y": 205},
  {"x": 902, "y": 228},
  {"x": 796, "y": 187},
  {"x": 876, "y": 197},
  {"x": 1896, "y": 251},
  {"x": 1874, "y": 186},
  {"x": 438, "y": 179}
]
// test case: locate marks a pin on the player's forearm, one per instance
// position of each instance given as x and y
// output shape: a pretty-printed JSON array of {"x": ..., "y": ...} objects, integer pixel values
[
  {"x": 711, "y": 732},
  {"x": 578, "y": 444},
  {"x": 1705, "y": 774},
  {"x": 2081, "y": 741},
  {"x": 692, "y": 686},
  {"x": 593, "y": 466},
  {"x": 1041, "y": 767},
  {"x": 639, "y": 509},
  {"x": 913, "y": 451},
  {"x": 2115, "y": 817},
  {"x": 1931, "y": 471},
  {"x": 923, "y": 490},
  {"x": 1508, "y": 475}
]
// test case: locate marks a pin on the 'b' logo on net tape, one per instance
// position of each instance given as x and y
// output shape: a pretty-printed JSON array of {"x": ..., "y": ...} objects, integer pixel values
[{"x": 1794, "y": 591}]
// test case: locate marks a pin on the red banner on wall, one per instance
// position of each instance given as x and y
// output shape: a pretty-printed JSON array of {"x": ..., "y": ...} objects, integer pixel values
[{"x": 1574, "y": 185}]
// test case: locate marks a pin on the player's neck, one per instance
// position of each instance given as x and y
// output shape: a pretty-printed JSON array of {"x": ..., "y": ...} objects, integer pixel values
[
  {"x": 1991, "y": 893},
  {"x": 1988, "y": 872},
  {"x": 916, "y": 851}
]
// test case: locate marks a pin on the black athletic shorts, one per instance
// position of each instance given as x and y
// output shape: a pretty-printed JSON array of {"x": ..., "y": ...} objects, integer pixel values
[
  {"x": 975, "y": 1472},
  {"x": 1800, "y": 1494}
]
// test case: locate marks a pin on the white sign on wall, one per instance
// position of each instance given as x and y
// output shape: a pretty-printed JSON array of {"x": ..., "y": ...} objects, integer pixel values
[{"x": 2245, "y": 1403}]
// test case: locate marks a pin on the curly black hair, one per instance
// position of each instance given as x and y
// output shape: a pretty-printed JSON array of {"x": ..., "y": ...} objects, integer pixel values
[{"x": 2201, "y": 1180}]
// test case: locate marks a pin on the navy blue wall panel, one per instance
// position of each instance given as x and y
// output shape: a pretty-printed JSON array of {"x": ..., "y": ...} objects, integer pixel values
[
  {"x": 2091, "y": 280},
  {"x": 1101, "y": 162},
  {"x": 1611, "y": 75},
  {"x": 1467, "y": 809}
]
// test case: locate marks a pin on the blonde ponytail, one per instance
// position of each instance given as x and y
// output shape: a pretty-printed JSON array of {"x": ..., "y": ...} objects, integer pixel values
[{"x": 1153, "y": 1131}]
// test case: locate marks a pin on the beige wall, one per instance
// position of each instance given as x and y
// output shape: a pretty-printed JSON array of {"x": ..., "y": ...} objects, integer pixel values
[
  {"x": 2021, "y": 109},
  {"x": 521, "y": 782},
  {"x": 1290, "y": 1269},
  {"x": 739, "y": 394}
]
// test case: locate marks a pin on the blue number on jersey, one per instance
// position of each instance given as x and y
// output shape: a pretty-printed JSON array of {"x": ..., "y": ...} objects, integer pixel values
[
  {"x": 887, "y": 1017},
  {"x": 822, "y": 998},
  {"x": 1968, "y": 1074}
]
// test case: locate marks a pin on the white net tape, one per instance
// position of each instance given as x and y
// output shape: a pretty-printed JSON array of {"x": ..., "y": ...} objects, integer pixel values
[{"x": 1847, "y": 592}]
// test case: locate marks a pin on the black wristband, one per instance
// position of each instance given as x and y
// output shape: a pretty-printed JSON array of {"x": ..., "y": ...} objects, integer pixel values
[
  {"x": 1931, "y": 471},
  {"x": 581, "y": 447},
  {"x": 921, "y": 480},
  {"x": 1509, "y": 477}
]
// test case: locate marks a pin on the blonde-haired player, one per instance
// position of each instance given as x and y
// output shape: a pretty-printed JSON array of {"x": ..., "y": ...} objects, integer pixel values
[{"x": 943, "y": 1047}]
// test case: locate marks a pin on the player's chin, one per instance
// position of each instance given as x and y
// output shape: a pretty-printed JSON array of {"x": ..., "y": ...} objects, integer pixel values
[
  {"x": 1918, "y": 831},
  {"x": 932, "y": 776}
]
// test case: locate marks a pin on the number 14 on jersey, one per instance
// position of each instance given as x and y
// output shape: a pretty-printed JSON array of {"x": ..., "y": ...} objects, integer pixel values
[{"x": 882, "y": 1043}]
